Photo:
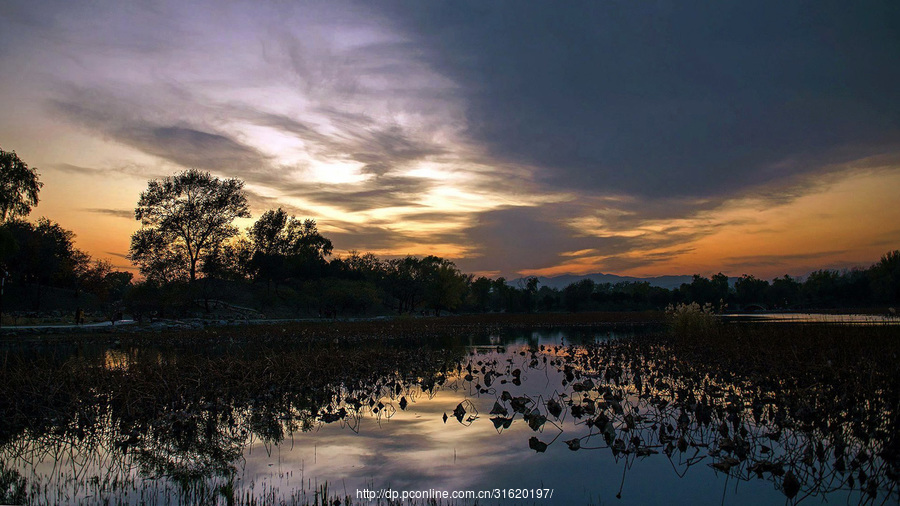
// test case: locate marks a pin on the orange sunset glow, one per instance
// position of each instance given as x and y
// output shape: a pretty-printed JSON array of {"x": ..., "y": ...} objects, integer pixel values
[{"x": 400, "y": 138}]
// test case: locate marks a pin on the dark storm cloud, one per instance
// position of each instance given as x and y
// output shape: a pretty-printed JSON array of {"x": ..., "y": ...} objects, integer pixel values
[
  {"x": 289, "y": 125},
  {"x": 190, "y": 147},
  {"x": 629, "y": 237},
  {"x": 381, "y": 148},
  {"x": 385, "y": 191},
  {"x": 776, "y": 260},
  {"x": 522, "y": 236},
  {"x": 263, "y": 202},
  {"x": 185, "y": 145},
  {"x": 619, "y": 263},
  {"x": 891, "y": 243},
  {"x": 385, "y": 235},
  {"x": 685, "y": 98}
]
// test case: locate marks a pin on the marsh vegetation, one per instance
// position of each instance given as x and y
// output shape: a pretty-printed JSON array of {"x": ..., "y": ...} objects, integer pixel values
[{"x": 271, "y": 415}]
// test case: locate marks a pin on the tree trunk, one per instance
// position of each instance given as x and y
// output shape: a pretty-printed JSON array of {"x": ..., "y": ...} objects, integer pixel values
[{"x": 37, "y": 299}]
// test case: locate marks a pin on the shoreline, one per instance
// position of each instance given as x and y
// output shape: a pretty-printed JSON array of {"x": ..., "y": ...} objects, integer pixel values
[{"x": 335, "y": 327}]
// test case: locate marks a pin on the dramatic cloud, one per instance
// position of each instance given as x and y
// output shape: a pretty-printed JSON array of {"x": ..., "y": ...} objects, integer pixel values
[
  {"x": 514, "y": 137},
  {"x": 519, "y": 236},
  {"x": 684, "y": 98},
  {"x": 777, "y": 260}
]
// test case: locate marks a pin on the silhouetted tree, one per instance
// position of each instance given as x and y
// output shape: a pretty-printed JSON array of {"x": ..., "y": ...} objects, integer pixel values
[
  {"x": 306, "y": 248},
  {"x": 337, "y": 296},
  {"x": 269, "y": 247},
  {"x": 529, "y": 292},
  {"x": 366, "y": 266},
  {"x": 183, "y": 218},
  {"x": 228, "y": 260},
  {"x": 501, "y": 295},
  {"x": 404, "y": 283},
  {"x": 44, "y": 255},
  {"x": 659, "y": 297},
  {"x": 444, "y": 284},
  {"x": 100, "y": 279},
  {"x": 578, "y": 294},
  {"x": 480, "y": 293},
  {"x": 268, "y": 234},
  {"x": 854, "y": 288},
  {"x": 701, "y": 290},
  {"x": 885, "y": 278},
  {"x": 720, "y": 288},
  {"x": 548, "y": 299},
  {"x": 284, "y": 246},
  {"x": 751, "y": 290},
  {"x": 19, "y": 186},
  {"x": 785, "y": 291},
  {"x": 820, "y": 288}
]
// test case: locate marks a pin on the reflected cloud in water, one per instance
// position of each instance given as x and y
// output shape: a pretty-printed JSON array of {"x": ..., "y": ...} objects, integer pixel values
[{"x": 633, "y": 419}]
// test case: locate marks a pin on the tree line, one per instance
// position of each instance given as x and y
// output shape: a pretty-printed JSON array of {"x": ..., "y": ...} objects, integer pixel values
[
  {"x": 40, "y": 256},
  {"x": 875, "y": 286},
  {"x": 193, "y": 258}
]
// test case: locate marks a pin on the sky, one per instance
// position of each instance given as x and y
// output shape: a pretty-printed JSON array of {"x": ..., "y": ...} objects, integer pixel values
[{"x": 515, "y": 138}]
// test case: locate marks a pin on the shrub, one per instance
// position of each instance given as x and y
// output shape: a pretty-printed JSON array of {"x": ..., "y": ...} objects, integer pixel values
[{"x": 693, "y": 320}]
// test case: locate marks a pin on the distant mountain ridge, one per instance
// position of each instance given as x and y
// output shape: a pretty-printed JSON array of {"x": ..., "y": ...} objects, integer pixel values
[{"x": 564, "y": 280}]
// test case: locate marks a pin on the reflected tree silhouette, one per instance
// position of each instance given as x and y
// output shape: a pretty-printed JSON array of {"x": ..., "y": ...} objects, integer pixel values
[
  {"x": 800, "y": 408},
  {"x": 188, "y": 417},
  {"x": 807, "y": 412}
]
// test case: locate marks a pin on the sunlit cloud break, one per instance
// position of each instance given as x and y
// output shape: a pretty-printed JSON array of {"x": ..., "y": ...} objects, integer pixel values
[{"x": 513, "y": 138}]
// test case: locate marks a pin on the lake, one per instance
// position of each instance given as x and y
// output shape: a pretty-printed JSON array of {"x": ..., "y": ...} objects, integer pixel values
[
  {"x": 538, "y": 416},
  {"x": 819, "y": 318}
]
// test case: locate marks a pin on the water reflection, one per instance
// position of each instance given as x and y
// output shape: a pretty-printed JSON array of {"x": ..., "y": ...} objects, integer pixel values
[
  {"x": 593, "y": 416},
  {"x": 817, "y": 318}
]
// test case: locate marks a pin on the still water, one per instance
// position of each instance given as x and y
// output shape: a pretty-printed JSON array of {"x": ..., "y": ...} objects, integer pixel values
[
  {"x": 816, "y": 318},
  {"x": 578, "y": 414}
]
